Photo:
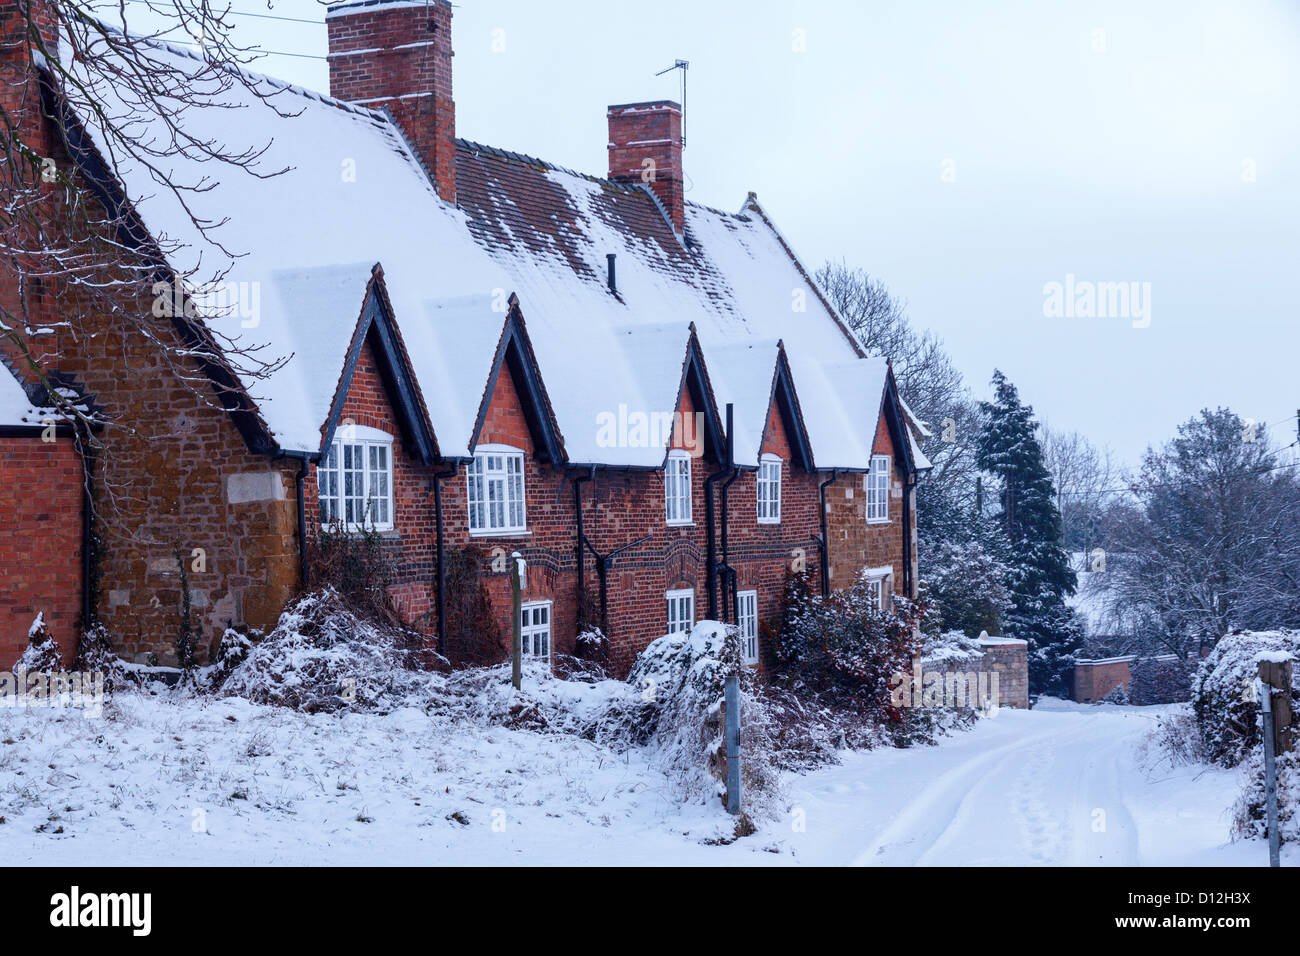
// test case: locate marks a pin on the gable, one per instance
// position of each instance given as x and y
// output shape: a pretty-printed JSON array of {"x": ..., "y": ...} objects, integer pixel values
[
  {"x": 377, "y": 340},
  {"x": 522, "y": 407}
]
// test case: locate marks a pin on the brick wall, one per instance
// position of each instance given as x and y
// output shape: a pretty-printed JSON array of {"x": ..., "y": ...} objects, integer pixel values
[
  {"x": 1007, "y": 658},
  {"x": 1093, "y": 680},
  {"x": 40, "y": 542},
  {"x": 855, "y": 543},
  {"x": 410, "y": 546}
]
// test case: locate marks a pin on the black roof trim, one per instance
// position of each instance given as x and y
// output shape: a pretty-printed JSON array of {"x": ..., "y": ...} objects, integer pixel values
[
  {"x": 515, "y": 355},
  {"x": 378, "y": 326}
]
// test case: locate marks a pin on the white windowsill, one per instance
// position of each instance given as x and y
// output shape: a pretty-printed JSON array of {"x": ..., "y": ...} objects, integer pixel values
[
  {"x": 525, "y": 533},
  {"x": 769, "y": 520}
]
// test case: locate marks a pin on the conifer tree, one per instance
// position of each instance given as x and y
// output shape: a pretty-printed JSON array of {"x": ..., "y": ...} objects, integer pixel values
[{"x": 1040, "y": 574}]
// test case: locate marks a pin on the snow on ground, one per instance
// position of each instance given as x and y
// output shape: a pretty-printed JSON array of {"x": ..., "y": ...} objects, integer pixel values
[{"x": 183, "y": 780}]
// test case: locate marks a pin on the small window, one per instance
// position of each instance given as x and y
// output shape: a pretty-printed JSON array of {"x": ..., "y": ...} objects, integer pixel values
[
  {"x": 747, "y": 622},
  {"x": 878, "y": 489},
  {"x": 496, "y": 491},
  {"x": 677, "y": 488},
  {"x": 769, "y": 490},
  {"x": 681, "y": 611},
  {"x": 879, "y": 589},
  {"x": 535, "y": 630},
  {"x": 355, "y": 480}
]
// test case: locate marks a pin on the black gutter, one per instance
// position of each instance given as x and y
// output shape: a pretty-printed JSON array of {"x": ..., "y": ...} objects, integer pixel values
[
  {"x": 440, "y": 559},
  {"x": 302, "y": 522},
  {"x": 304, "y": 459},
  {"x": 710, "y": 547},
  {"x": 825, "y": 542},
  {"x": 908, "y": 586},
  {"x": 578, "y": 482},
  {"x": 87, "y": 531},
  {"x": 728, "y": 573}
]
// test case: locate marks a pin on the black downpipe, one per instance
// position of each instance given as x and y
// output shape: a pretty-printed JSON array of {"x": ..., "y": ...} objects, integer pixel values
[
  {"x": 825, "y": 542},
  {"x": 728, "y": 573},
  {"x": 710, "y": 545},
  {"x": 302, "y": 523},
  {"x": 87, "y": 529},
  {"x": 909, "y": 589},
  {"x": 578, "y": 482},
  {"x": 440, "y": 560}
]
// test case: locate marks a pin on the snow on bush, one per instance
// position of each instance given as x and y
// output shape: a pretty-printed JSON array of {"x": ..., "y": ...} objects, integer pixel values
[
  {"x": 323, "y": 656},
  {"x": 1175, "y": 739},
  {"x": 1250, "y": 813},
  {"x": 95, "y": 655},
  {"x": 950, "y": 646},
  {"x": 41, "y": 655},
  {"x": 684, "y": 675},
  {"x": 1116, "y": 695},
  {"x": 1223, "y": 695}
]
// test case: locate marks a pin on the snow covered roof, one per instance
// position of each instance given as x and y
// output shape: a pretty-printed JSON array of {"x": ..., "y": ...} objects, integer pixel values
[
  {"x": 16, "y": 409},
  {"x": 300, "y": 246}
]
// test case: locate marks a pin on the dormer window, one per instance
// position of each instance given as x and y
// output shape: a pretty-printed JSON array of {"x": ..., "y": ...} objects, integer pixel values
[
  {"x": 355, "y": 480},
  {"x": 769, "y": 490},
  {"x": 878, "y": 489},
  {"x": 677, "y": 488},
  {"x": 496, "y": 491}
]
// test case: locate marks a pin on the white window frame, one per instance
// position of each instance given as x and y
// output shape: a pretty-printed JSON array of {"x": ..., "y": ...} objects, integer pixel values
[
  {"x": 881, "y": 581},
  {"x": 366, "y": 444},
  {"x": 680, "y": 611},
  {"x": 677, "y": 489},
  {"x": 536, "y": 637},
  {"x": 747, "y": 624},
  {"x": 879, "y": 479},
  {"x": 498, "y": 468},
  {"x": 769, "y": 481}
]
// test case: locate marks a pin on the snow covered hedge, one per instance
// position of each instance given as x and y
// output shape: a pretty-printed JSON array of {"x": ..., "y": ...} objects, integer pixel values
[
  {"x": 324, "y": 656},
  {"x": 684, "y": 677},
  {"x": 1250, "y": 814},
  {"x": 1223, "y": 697}
]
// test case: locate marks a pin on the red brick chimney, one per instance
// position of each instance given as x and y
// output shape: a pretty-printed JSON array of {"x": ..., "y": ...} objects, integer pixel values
[
  {"x": 396, "y": 55},
  {"x": 645, "y": 146}
]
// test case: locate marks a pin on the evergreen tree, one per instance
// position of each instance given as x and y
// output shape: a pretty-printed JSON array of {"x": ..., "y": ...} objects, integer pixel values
[{"x": 1040, "y": 575}]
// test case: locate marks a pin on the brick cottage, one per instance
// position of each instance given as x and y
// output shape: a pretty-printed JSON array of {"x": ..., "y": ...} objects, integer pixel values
[{"x": 649, "y": 399}]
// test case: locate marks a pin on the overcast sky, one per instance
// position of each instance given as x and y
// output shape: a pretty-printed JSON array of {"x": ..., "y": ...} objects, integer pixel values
[{"x": 967, "y": 154}]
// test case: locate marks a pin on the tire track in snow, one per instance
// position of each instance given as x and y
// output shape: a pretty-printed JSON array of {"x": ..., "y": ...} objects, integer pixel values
[{"x": 924, "y": 822}]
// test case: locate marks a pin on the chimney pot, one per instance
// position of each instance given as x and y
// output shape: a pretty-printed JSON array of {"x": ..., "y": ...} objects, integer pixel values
[
  {"x": 379, "y": 58},
  {"x": 645, "y": 146}
]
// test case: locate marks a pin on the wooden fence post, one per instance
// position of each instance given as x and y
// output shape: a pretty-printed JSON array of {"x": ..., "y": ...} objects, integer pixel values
[
  {"x": 1278, "y": 675},
  {"x": 1275, "y": 720}
]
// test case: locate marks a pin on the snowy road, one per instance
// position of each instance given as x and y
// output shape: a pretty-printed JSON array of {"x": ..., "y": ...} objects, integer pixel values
[
  {"x": 1057, "y": 786},
  {"x": 197, "y": 782}
]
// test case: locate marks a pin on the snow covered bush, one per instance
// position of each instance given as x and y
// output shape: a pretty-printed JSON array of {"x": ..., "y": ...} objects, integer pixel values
[
  {"x": 41, "y": 655},
  {"x": 95, "y": 655},
  {"x": 232, "y": 650},
  {"x": 1160, "y": 681},
  {"x": 846, "y": 644},
  {"x": 684, "y": 676},
  {"x": 1223, "y": 695},
  {"x": 1176, "y": 739},
  {"x": 1250, "y": 813},
  {"x": 1116, "y": 695},
  {"x": 324, "y": 655}
]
